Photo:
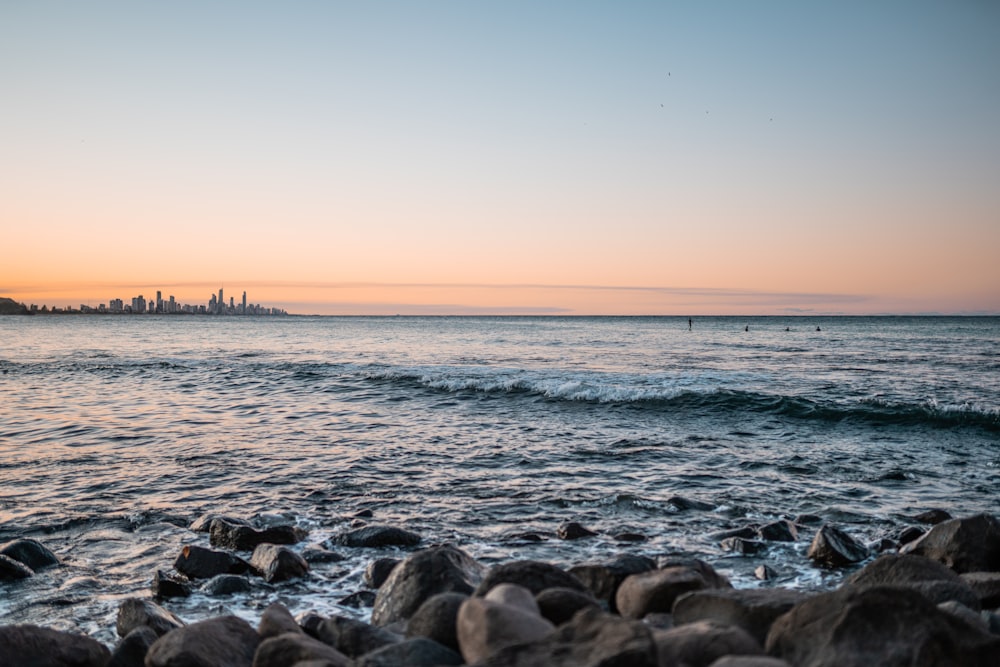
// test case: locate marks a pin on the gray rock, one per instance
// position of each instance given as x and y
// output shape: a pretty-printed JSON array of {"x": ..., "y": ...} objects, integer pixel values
[
  {"x": 779, "y": 531},
  {"x": 932, "y": 579},
  {"x": 131, "y": 650},
  {"x": 571, "y": 530},
  {"x": 226, "y": 641},
  {"x": 749, "y": 661},
  {"x": 136, "y": 613},
  {"x": 959, "y": 610},
  {"x": 32, "y": 553},
  {"x": 753, "y": 610},
  {"x": 203, "y": 524},
  {"x": 933, "y": 516},
  {"x": 742, "y": 546},
  {"x": 832, "y": 547},
  {"x": 559, "y": 605},
  {"x": 986, "y": 586},
  {"x": 485, "y": 626},
  {"x": 690, "y": 504},
  {"x": 164, "y": 586},
  {"x": 277, "y": 620},
  {"x": 964, "y": 545},
  {"x": 765, "y": 573},
  {"x": 32, "y": 646},
  {"x": 358, "y": 599},
  {"x": 278, "y": 563},
  {"x": 379, "y": 570},
  {"x": 656, "y": 591},
  {"x": 416, "y": 652},
  {"x": 295, "y": 648},
  {"x": 240, "y": 537},
  {"x": 603, "y": 579},
  {"x": 536, "y": 576},
  {"x": 701, "y": 643},
  {"x": 377, "y": 536},
  {"x": 436, "y": 618},
  {"x": 200, "y": 563},
  {"x": 11, "y": 569},
  {"x": 318, "y": 555},
  {"x": 226, "y": 584},
  {"x": 352, "y": 637}
]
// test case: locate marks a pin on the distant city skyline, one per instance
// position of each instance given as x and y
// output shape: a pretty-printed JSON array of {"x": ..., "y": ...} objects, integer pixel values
[{"x": 140, "y": 305}]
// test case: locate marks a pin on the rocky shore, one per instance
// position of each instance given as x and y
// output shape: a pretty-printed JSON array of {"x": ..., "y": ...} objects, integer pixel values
[{"x": 931, "y": 597}]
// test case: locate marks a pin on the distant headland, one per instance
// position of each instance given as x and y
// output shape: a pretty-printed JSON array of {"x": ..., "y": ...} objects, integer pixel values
[{"x": 141, "y": 306}]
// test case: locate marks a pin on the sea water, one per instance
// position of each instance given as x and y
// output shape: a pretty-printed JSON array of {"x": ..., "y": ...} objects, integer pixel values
[{"x": 117, "y": 431}]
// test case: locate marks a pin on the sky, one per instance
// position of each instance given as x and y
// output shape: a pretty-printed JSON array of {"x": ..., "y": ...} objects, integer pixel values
[{"x": 455, "y": 157}]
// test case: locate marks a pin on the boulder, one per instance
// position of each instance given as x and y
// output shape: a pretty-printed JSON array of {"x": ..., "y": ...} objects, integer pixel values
[
  {"x": 986, "y": 586},
  {"x": 225, "y": 641},
  {"x": 779, "y": 531},
  {"x": 226, "y": 584},
  {"x": 746, "y": 532},
  {"x": 681, "y": 504},
  {"x": 603, "y": 579},
  {"x": 959, "y": 610},
  {"x": 749, "y": 661},
  {"x": 571, "y": 530},
  {"x": 484, "y": 626},
  {"x": 240, "y": 537},
  {"x": 278, "y": 563},
  {"x": 358, "y": 599},
  {"x": 443, "y": 569},
  {"x": 136, "y": 613},
  {"x": 310, "y": 621},
  {"x": 964, "y": 545},
  {"x": 11, "y": 569},
  {"x": 164, "y": 586},
  {"x": 32, "y": 553},
  {"x": 656, "y": 591},
  {"x": 742, "y": 546},
  {"x": 880, "y": 625},
  {"x": 200, "y": 563},
  {"x": 590, "y": 639},
  {"x": 701, "y": 643},
  {"x": 293, "y": 648},
  {"x": 377, "y": 536},
  {"x": 559, "y": 605},
  {"x": 753, "y": 610},
  {"x": 30, "y": 645},
  {"x": 277, "y": 620},
  {"x": 203, "y": 524},
  {"x": 707, "y": 572},
  {"x": 932, "y": 579},
  {"x": 933, "y": 516},
  {"x": 378, "y": 571},
  {"x": 416, "y": 652},
  {"x": 131, "y": 650},
  {"x": 910, "y": 534},
  {"x": 320, "y": 555},
  {"x": 514, "y": 596},
  {"x": 534, "y": 575},
  {"x": 352, "y": 637},
  {"x": 832, "y": 547},
  {"x": 765, "y": 573},
  {"x": 435, "y": 619}
]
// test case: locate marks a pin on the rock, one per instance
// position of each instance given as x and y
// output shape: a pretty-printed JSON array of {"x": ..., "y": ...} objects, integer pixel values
[
  {"x": 240, "y": 537},
  {"x": 571, "y": 530},
  {"x": 964, "y": 545},
  {"x": 689, "y": 504},
  {"x": 278, "y": 563},
  {"x": 590, "y": 639},
  {"x": 226, "y": 584},
  {"x": 358, "y": 599},
  {"x": 32, "y": 646},
  {"x": 746, "y": 532},
  {"x": 32, "y": 553},
  {"x": 363, "y": 514},
  {"x": 200, "y": 563},
  {"x": 11, "y": 569},
  {"x": 779, "y": 531},
  {"x": 707, "y": 572},
  {"x": 225, "y": 641},
  {"x": 656, "y": 591},
  {"x": 702, "y": 643},
  {"x": 932, "y": 517},
  {"x": 318, "y": 555},
  {"x": 630, "y": 537},
  {"x": 807, "y": 520},
  {"x": 379, "y": 570},
  {"x": 136, "y": 613},
  {"x": 444, "y": 569},
  {"x": 514, "y": 596},
  {"x": 277, "y": 620},
  {"x": 749, "y": 661},
  {"x": 559, "y": 605},
  {"x": 986, "y": 586},
  {"x": 832, "y": 547},
  {"x": 354, "y": 638},
  {"x": 166, "y": 586},
  {"x": 603, "y": 579},
  {"x": 741, "y": 546},
  {"x": 534, "y": 575},
  {"x": 203, "y": 524},
  {"x": 485, "y": 626},
  {"x": 932, "y": 579},
  {"x": 880, "y": 625},
  {"x": 377, "y": 536},
  {"x": 765, "y": 573},
  {"x": 753, "y": 610},
  {"x": 435, "y": 619},
  {"x": 309, "y": 622},
  {"x": 131, "y": 650},
  {"x": 959, "y": 610},
  {"x": 416, "y": 652},
  {"x": 910, "y": 534},
  {"x": 291, "y": 648},
  {"x": 992, "y": 621}
]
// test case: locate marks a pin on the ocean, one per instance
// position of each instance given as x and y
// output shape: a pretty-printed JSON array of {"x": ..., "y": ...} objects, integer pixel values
[{"x": 117, "y": 431}]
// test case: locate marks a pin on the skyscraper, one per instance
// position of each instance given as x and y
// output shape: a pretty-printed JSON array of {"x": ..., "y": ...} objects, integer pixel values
[
  {"x": 221, "y": 304},
  {"x": 244, "y": 309}
]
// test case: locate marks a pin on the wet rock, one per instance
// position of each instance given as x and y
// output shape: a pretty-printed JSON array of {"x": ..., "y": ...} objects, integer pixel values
[
  {"x": 754, "y": 610},
  {"x": 742, "y": 546},
  {"x": 986, "y": 586},
  {"x": 484, "y": 626},
  {"x": 363, "y": 514},
  {"x": 436, "y": 618},
  {"x": 416, "y": 652},
  {"x": 278, "y": 563},
  {"x": 682, "y": 504},
  {"x": 656, "y": 591},
  {"x": 571, "y": 530},
  {"x": 165, "y": 586},
  {"x": 779, "y": 531},
  {"x": 534, "y": 575},
  {"x": 559, "y": 605},
  {"x": 590, "y": 639},
  {"x": 226, "y": 641},
  {"x": 11, "y": 569},
  {"x": 309, "y": 622},
  {"x": 603, "y": 579},
  {"x": 444, "y": 569},
  {"x": 630, "y": 537},
  {"x": 379, "y": 570},
  {"x": 964, "y": 545},
  {"x": 226, "y": 584},
  {"x": 30, "y": 645},
  {"x": 707, "y": 572},
  {"x": 746, "y": 532},
  {"x": 358, "y": 599},
  {"x": 200, "y": 563},
  {"x": 933, "y": 516},
  {"x": 136, "y": 613},
  {"x": 910, "y": 534},
  {"x": 277, "y": 620},
  {"x": 931, "y": 579},
  {"x": 354, "y": 638},
  {"x": 514, "y": 596},
  {"x": 701, "y": 643},
  {"x": 377, "y": 536},
  {"x": 527, "y": 537},
  {"x": 131, "y": 650},
  {"x": 203, "y": 524},
  {"x": 295, "y": 648},
  {"x": 959, "y": 610},
  {"x": 318, "y": 555},
  {"x": 240, "y": 537},
  {"x": 765, "y": 573},
  {"x": 832, "y": 547},
  {"x": 882, "y": 625},
  {"x": 32, "y": 553},
  {"x": 807, "y": 520},
  {"x": 749, "y": 661}
]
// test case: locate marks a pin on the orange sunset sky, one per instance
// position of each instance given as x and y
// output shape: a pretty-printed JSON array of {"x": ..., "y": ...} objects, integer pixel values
[{"x": 515, "y": 157}]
